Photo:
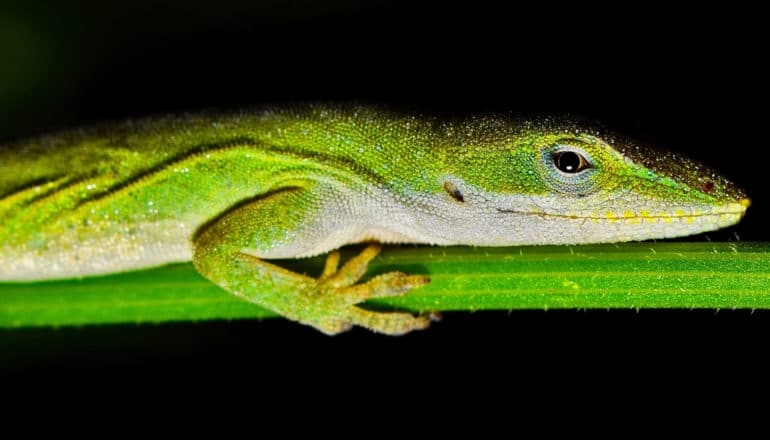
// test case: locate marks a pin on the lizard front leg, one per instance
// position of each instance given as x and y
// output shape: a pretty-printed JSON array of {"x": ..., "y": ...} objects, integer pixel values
[{"x": 328, "y": 303}]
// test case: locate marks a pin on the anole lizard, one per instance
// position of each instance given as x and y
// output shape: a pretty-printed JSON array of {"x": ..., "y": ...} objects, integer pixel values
[{"x": 231, "y": 191}]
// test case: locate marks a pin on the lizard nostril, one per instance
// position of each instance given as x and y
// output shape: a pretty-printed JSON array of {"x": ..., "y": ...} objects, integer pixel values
[{"x": 708, "y": 187}]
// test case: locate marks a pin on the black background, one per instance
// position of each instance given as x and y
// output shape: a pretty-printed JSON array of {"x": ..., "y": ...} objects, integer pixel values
[{"x": 688, "y": 77}]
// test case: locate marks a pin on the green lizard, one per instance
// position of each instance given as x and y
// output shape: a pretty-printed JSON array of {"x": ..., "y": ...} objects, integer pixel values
[{"x": 229, "y": 191}]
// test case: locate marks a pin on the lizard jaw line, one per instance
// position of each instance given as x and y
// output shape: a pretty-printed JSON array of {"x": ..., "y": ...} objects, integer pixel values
[{"x": 740, "y": 212}]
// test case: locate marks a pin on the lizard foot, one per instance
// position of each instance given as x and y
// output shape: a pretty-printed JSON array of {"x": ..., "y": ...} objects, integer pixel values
[{"x": 335, "y": 290}]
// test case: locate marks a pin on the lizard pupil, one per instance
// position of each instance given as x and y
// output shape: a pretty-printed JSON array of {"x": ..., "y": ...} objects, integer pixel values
[{"x": 569, "y": 162}]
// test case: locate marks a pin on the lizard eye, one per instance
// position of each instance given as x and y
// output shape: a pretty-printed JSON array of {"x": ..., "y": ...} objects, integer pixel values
[
  {"x": 570, "y": 162},
  {"x": 570, "y": 169}
]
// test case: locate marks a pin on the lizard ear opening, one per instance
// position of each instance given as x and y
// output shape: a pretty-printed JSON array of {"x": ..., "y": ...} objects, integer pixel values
[{"x": 454, "y": 192}]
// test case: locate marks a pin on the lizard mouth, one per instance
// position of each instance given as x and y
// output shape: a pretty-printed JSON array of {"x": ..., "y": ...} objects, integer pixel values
[{"x": 730, "y": 209}]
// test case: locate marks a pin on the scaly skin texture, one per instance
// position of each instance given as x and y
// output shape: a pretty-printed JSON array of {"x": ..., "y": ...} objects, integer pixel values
[{"x": 228, "y": 191}]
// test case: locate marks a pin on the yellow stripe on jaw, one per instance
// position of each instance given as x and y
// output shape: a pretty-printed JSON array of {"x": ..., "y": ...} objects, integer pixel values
[
  {"x": 646, "y": 216},
  {"x": 678, "y": 215},
  {"x": 738, "y": 207},
  {"x": 632, "y": 218}
]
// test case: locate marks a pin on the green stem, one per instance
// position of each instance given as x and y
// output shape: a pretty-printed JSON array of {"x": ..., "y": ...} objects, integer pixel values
[{"x": 633, "y": 275}]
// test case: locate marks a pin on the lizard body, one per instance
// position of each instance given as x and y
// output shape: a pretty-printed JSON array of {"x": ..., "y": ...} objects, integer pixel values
[{"x": 229, "y": 191}]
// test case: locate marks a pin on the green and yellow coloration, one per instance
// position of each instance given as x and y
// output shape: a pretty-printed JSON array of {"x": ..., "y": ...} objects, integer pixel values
[{"x": 228, "y": 191}]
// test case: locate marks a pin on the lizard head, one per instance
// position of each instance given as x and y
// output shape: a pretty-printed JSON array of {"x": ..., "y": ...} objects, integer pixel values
[{"x": 565, "y": 185}]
